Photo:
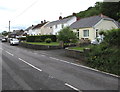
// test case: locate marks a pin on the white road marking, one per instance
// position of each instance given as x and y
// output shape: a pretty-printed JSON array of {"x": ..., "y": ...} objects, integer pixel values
[
  {"x": 1, "y": 49},
  {"x": 71, "y": 86},
  {"x": 30, "y": 64},
  {"x": 54, "y": 58},
  {"x": 65, "y": 61},
  {"x": 43, "y": 55},
  {"x": 10, "y": 53},
  {"x": 84, "y": 67}
]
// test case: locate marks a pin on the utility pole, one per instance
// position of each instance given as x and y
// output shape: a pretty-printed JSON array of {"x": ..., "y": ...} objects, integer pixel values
[{"x": 9, "y": 26}]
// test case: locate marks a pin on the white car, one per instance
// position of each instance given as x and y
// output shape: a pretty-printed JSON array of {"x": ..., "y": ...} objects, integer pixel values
[
  {"x": 14, "y": 41},
  {"x": 98, "y": 40}
]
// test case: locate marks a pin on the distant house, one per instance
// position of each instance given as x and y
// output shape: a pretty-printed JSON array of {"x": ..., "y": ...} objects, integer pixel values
[
  {"x": 16, "y": 34},
  {"x": 55, "y": 26},
  {"x": 89, "y": 27}
]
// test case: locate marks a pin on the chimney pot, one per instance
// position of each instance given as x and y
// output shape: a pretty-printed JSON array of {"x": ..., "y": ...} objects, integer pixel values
[
  {"x": 60, "y": 17},
  {"x": 41, "y": 22}
]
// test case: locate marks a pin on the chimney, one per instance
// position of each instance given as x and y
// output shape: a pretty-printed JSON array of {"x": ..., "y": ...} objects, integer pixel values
[
  {"x": 41, "y": 22},
  {"x": 60, "y": 17},
  {"x": 74, "y": 14},
  {"x": 44, "y": 21}
]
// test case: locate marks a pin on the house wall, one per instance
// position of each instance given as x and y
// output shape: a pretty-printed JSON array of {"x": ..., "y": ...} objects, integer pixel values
[
  {"x": 46, "y": 30},
  {"x": 105, "y": 25},
  {"x": 59, "y": 26},
  {"x": 91, "y": 33}
]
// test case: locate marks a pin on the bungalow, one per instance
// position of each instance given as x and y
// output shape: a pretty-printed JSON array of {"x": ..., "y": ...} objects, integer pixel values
[
  {"x": 55, "y": 26},
  {"x": 89, "y": 27}
]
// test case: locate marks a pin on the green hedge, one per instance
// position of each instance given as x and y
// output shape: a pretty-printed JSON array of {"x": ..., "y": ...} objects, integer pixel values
[
  {"x": 105, "y": 56},
  {"x": 41, "y": 38}
]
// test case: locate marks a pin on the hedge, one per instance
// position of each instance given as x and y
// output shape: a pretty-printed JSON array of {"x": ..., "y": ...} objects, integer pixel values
[{"x": 41, "y": 38}]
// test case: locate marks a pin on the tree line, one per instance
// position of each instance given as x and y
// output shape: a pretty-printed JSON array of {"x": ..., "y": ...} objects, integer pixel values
[{"x": 110, "y": 9}]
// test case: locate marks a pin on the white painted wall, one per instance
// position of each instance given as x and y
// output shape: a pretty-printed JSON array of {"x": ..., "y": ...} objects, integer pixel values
[{"x": 59, "y": 26}]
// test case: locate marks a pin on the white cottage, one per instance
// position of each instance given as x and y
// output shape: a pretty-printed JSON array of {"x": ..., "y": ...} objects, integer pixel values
[{"x": 91, "y": 26}]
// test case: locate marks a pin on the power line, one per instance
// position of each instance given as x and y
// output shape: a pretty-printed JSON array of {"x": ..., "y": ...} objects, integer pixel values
[{"x": 26, "y": 9}]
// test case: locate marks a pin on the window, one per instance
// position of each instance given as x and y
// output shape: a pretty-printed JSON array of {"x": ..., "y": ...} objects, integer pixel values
[
  {"x": 62, "y": 25},
  {"x": 55, "y": 26},
  {"x": 97, "y": 34},
  {"x": 86, "y": 33},
  {"x": 78, "y": 33}
]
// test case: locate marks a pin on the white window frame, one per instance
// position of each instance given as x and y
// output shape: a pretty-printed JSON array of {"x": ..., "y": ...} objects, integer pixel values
[{"x": 84, "y": 34}]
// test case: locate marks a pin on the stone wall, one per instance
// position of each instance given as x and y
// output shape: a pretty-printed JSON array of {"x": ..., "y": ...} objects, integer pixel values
[{"x": 75, "y": 54}]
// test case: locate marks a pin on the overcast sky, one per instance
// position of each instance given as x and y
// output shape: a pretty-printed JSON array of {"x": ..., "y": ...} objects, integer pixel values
[{"x": 23, "y": 13}]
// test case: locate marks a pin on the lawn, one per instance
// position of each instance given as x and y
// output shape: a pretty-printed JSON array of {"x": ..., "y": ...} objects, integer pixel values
[
  {"x": 44, "y": 43},
  {"x": 80, "y": 48}
]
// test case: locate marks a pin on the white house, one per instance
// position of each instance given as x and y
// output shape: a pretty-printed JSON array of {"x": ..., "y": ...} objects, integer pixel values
[
  {"x": 37, "y": 29},
  {"x": 55, "y": 26},
  {"x": 29, "y": 30},
  {"x": 89, "y": 28}
]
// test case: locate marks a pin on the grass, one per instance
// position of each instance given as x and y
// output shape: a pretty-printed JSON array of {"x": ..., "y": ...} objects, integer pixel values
[
  {"x": 44, "y": 43},
  {"x": 80, "y": 48}
]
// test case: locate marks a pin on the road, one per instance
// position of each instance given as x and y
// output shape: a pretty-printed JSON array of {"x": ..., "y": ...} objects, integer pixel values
[{"x": 25, "y": 69}]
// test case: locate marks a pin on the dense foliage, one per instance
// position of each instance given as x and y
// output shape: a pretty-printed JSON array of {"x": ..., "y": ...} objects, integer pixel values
[
  {"x": 5, "y": 33},
  {"x": 67, "y": 35},
  {"x": 41, "y": 38},
  {"x": 110, "y": 9},
  {"x": 105, "y": 56}
]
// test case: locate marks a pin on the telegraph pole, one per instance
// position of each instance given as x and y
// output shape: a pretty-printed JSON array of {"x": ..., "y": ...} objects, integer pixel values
[{"x": 9, "y": 26}]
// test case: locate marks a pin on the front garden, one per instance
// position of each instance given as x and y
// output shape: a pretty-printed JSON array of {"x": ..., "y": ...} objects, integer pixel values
[{"x": 104, "y": 57}]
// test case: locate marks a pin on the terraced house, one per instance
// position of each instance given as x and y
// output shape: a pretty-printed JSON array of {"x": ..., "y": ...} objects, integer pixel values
[{"x": 55, "y": 26}]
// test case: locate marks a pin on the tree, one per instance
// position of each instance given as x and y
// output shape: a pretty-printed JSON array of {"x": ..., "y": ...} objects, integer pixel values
[
  {"x": 111, "y": 9},
  {"x": 5, "y": 33},
  {"x": 66, "y": 35}
]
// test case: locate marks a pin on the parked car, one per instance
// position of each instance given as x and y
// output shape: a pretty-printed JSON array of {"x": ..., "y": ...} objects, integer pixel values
[
  {"x": 14, "y": 41},
  {"x": 98, "y": 40},
  {"x": 4, "y": 40}
]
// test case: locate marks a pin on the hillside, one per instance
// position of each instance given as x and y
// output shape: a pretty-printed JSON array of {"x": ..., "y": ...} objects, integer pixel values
[{"x": 110, "y": 9}]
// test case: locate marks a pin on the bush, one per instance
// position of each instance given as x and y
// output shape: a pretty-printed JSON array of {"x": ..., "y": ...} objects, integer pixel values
[
  {"x": 41, "y": 38},
  {"x": 38, "y": 40},
  {"x": 48, "y": 40},
  {"x": 105, "y": 56},
  {"x": 22, "y": 39}
]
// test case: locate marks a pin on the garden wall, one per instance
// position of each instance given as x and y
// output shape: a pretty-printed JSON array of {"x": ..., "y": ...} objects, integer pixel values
[
  {"x": 39, "y": 47},
  {"x": 76, "y": 54}
]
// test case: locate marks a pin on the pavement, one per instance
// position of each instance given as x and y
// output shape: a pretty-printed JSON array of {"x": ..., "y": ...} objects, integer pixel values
[{"x": 25, "y": 69}]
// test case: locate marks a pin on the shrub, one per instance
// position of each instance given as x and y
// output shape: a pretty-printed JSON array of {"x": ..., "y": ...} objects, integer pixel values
[
  {"x": 38, "y": 40},
  {"x": 105, "y": 56},
  {"x": 22, "y": 39},
  {"x": 48, "y": 40}
]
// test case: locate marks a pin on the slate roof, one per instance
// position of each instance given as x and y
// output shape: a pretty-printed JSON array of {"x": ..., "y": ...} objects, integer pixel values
[
  {"x": 29, "y": 28},
  {"x": 61, "y": 21},
  {"x": 17, "y": 32},
  {"x": 88, "y": 22},
  {"x": 39, "y": 25}
]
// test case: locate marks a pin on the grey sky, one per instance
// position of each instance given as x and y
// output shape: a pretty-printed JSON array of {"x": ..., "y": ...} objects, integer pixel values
[{"x": 23, "y": 13}]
